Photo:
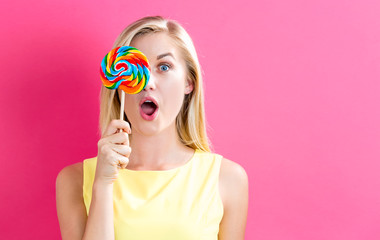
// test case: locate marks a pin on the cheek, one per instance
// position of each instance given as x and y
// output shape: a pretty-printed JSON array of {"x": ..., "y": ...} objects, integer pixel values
[
  {"x": 130, "y": 106},
  {"x": 175, "y": 98}
]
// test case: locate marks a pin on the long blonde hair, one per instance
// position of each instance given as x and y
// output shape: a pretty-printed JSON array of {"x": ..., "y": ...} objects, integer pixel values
[{"x": 190, "y": 122}]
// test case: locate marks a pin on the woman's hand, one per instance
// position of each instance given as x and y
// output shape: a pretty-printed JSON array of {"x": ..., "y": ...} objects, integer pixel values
[{"x": 113, "y": 152}]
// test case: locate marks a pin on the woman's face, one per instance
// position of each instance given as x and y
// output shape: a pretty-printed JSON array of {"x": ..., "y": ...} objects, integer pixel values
[{"x": 167, "y": 85}]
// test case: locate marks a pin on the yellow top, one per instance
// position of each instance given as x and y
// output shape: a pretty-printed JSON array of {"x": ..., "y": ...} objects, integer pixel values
[{"x": 176, "y": 204}]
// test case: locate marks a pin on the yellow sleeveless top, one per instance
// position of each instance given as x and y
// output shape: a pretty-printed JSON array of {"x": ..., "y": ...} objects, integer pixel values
[{"x": 176, "y": 204}]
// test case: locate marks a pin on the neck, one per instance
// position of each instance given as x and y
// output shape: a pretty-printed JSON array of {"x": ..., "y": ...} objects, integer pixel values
[{"x": 158, "y": 150}]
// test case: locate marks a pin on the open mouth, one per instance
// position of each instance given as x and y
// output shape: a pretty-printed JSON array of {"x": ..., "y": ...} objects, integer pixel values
[{"x": 148, "y": 107}]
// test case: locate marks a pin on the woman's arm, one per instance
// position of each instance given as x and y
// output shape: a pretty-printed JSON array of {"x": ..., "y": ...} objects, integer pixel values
[
  {"x": 113, "y": 151},
  {"x": 233, "y": 185},
  {"x": 71, "y": 210},
  {"x": 100, "y": 217}
]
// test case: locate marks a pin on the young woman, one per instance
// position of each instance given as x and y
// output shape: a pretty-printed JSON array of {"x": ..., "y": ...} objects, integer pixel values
[{"x": 157, "y": 179}]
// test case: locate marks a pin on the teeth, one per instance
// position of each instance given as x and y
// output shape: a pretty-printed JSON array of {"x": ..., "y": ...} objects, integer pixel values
[{"x": 148, "y": 101}]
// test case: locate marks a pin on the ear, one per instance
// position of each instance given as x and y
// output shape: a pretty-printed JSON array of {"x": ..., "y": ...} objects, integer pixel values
[{"x": 189, "y": 86}]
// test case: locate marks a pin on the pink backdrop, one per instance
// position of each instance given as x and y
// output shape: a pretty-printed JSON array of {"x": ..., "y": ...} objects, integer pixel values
[{"x": 292, "y": 94}]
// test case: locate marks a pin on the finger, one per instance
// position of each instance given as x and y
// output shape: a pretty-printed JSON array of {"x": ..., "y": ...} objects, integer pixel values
[
  {"x": 122, "y": 162},
  {"x": 118, "y": 159},
  {"x": 123, "y": 150},
  {"x": 115, "y": 125},
  {"x": 119, "y": 138}
]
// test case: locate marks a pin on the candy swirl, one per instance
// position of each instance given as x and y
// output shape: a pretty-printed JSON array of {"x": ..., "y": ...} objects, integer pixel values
[{"x": 126, "y": 68}]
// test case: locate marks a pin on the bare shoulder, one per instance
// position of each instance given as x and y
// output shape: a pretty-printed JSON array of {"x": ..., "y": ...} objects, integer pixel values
[
  {"x": 233, "y": 180},
  {"x": 230, "y": 170},
  {"x": 69, "y": 184},
  {"x": 71, "y": 210},
  {"x": 71, "y": 174},
  {"x": 233, "y": 188}
]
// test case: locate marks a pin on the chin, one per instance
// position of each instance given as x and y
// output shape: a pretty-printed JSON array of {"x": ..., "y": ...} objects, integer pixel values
[
  {"x": 148, "y": 129},
  {"x": 151, "y": 128}
]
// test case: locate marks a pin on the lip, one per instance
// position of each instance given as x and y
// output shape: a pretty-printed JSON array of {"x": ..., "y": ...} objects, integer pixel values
[
  {"x": 150, "y": 98},
  {"x": 145, "y": 116}
]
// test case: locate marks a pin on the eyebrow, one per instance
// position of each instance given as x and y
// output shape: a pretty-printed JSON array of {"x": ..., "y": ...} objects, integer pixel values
[{"x": 164, "y": 55}]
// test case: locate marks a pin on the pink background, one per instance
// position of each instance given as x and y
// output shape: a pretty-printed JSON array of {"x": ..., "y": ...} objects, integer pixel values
[{"x": 292, "y": 94}]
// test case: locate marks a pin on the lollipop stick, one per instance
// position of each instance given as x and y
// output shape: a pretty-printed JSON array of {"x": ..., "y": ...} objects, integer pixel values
[{"x": 122, "y": 107}]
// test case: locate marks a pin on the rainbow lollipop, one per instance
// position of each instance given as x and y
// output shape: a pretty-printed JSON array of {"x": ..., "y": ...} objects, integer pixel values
[{"x": 126, "y": 68}]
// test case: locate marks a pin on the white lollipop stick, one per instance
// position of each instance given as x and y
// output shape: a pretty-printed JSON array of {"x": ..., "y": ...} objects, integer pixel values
[{"x": 122, "y": 107}]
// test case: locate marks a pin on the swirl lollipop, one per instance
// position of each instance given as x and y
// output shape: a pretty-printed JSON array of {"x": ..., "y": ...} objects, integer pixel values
[{"x": 126, "y": 68}]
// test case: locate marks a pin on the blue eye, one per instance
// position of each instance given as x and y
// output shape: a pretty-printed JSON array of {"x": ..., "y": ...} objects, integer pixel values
[{"x": 164, "y": 67}]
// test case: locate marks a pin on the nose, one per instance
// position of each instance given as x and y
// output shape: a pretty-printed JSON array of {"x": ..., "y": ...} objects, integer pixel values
[{"x": 151, "y": 85}]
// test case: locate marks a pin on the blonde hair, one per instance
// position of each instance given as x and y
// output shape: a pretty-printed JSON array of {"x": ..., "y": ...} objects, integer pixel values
[{"x": 190, "y": 122}]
